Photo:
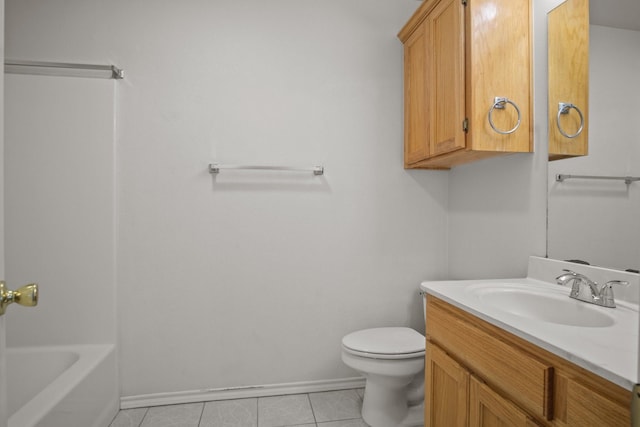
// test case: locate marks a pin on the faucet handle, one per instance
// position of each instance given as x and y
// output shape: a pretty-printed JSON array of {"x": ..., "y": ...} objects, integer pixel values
[
  {"x": 565, "y": 277},
  {"x": 617, "y": 282},
  {"x": 607, "y": 292},
  {"x": 576, "y": 276}
]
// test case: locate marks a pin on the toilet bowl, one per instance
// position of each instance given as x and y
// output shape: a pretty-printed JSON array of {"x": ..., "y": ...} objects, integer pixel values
[{"x": 392, "y": 362}]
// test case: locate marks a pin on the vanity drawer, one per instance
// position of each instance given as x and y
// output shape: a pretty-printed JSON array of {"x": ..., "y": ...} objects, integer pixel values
[{"x": 492, "y": 355}]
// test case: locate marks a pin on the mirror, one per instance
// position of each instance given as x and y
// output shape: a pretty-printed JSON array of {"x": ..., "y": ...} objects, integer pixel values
[{"x": 597, "y": 220}]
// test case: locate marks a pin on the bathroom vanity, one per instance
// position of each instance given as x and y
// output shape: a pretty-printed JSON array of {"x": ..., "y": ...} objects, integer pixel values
[{"x": 514, "y": 351}]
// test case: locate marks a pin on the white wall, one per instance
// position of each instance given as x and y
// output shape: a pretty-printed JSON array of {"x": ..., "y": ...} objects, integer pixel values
[
  {"x": 60, "y": 215},
  {"x": 597, "y": 221},
  {"x": 253, "y": 278}
]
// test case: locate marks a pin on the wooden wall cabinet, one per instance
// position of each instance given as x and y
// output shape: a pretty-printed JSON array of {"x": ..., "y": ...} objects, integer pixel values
[
  {"x": 477, "y": 374},
  {"x": 568, "y": 54},
  {"x": 459, "y": 56}
]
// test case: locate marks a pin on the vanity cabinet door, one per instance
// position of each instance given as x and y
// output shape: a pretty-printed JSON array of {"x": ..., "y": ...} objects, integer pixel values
[
  {"x": 488, "y": 409},
  {"x": 446, "y": 390}
]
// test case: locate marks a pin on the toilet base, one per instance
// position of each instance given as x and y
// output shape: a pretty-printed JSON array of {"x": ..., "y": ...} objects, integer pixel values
[
  {"x": 385, "y": 404},
  {"x": 415, "y": 416}
]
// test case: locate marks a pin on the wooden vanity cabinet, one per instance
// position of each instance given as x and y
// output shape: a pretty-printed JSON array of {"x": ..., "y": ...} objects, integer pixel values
[
  {"x": 459, "y": 399},
  {"x": 489, "y": 409},
  {"x": 446, "y": 390},
  {"x": 568, "y": 53},
  {"x": 459, "y": 55},
  {"x": 477, "y": 374}
]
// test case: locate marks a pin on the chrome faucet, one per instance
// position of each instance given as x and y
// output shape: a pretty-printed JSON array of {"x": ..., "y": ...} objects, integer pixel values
[{"x": 585, "y": 289}]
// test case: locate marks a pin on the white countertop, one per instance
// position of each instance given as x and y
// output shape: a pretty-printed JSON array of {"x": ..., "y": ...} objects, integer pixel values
[{"x": 610, "y": 351}]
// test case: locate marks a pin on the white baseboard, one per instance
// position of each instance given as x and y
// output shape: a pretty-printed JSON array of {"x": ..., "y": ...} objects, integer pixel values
[{"x": 159, "y": 399}]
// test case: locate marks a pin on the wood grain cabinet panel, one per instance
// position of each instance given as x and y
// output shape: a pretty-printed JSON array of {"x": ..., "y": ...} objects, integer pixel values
[
  {"x": 568, "y": 53},
  {"x": 488, "y": 409},
  {"x": 473, "y": 52},
  {"x": 508, "y": 369},
  {"x": 445, "y": 77},
  {"x": 446, "y": 394},
  {"x": 511, "y": 382},
  {"x": 416, "y": 143},
  {"x": 587, "y": 407}
]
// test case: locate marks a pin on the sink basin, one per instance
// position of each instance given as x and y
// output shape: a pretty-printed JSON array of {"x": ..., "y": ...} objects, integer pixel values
[{"x": 543, "y": 306}]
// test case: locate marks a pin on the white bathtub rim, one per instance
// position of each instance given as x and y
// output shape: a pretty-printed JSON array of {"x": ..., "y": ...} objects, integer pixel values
[{"x": 91, "y": 355}]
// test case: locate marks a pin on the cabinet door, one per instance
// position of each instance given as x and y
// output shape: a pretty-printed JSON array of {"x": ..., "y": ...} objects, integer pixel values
[
  {"x": 445, "y": 77},
  {"x": 446, "y": 390},
  {"x": 568, "y": 28},
  {"x": 488, "y": 409},
  {"x": 499, "y": 66},
  {"x": 416, "y": 125}
]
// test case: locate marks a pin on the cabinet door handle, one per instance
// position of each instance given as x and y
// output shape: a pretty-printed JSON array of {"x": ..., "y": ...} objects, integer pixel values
[
  {"x": 499, "y": 103},
  {"x": 563, "y": 108}
]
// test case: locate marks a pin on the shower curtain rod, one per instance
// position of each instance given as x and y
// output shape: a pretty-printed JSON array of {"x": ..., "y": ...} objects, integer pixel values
[{"x": 62, "y": 69}]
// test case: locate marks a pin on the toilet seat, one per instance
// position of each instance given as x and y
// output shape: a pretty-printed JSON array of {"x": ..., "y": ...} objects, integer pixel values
[{"x": 385, "y": 343}]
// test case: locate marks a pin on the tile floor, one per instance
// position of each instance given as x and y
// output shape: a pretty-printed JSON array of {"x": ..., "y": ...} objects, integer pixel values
[{"x": 325, "y": 409}]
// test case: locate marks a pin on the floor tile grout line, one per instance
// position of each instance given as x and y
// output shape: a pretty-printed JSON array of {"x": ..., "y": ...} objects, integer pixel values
[
  {"x": 257, "y": 412},
  {"x": 315, "y": 420},
  {"x": 201, "y": 414},
  {"x": 146, "y": 411}
]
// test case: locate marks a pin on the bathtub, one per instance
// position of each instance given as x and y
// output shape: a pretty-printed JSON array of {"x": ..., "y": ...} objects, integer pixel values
[{"x": 65, "y": 386}]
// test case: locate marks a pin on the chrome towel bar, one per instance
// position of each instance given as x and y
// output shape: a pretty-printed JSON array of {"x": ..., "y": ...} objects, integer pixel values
[
  {"x": 216, "y": 167},
  {"x": 62, "y": 69},
  {"x": 627, "y": 179}
]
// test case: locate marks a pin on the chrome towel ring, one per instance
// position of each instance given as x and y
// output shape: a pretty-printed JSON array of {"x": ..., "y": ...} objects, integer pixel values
[
  {"x": 499, "y": 103},
  {"x": 563, "y": 108}
]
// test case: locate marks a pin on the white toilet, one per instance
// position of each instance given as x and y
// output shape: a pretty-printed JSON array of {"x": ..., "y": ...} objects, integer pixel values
[{"x": 392, "y": 361}]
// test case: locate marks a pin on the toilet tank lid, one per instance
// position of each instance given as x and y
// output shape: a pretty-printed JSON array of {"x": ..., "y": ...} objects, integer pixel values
[{"x": 394, "y": 340}]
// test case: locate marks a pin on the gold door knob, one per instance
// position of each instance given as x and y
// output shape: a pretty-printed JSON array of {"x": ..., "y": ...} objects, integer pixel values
[{"x": 26, "y": 295}]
